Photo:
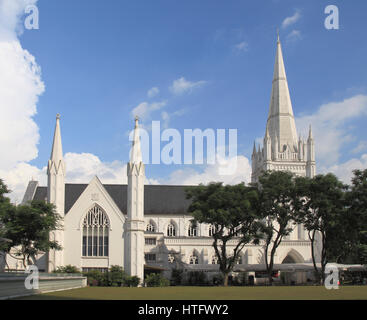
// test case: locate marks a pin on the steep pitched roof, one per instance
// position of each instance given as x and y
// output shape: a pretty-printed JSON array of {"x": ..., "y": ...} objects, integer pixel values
[
  {"x": 158, "y": 199},
  {"x": 281, "y": 124}
]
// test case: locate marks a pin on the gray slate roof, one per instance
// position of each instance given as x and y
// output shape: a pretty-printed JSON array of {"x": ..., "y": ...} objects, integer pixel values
[{"x": 158, "y": 199}]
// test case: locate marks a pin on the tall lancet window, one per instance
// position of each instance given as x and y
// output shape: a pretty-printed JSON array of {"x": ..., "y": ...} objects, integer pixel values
[{"x": 95, "y": 233}]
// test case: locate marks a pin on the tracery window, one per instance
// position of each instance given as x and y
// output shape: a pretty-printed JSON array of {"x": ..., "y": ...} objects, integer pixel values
[
  {"x": 194, "y": 259},
  {"x": 171, "y": 258},
  {"x": 171, "y": 230},
  {"x": 95, "y": 233},
  {"x": 192, "y": 231},
  {"x": 150, "y": 227},
  {"x": 215, "y": 260}
]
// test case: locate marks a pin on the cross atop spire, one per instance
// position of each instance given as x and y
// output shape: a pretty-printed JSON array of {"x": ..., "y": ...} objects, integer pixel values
[{"x": 281, "y": 122}]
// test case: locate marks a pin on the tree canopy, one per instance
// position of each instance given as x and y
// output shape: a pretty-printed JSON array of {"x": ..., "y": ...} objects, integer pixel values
[
  {"x": 28, "y": 227},
  {"x": 232, "y": 213},
  {"x": 278, "y": 205}
]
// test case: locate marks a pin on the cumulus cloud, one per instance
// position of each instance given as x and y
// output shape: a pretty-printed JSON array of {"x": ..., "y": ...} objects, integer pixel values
[
  {"x": 153, "y": 92},
  {"x": 82, "y": 167},
  {"x": 182, "y": 85},
  {"x": 213, "y": 173},
  {"x": 291, "y": 20},
  {"x": 144, "y": 109},
  {"x": 329, "y": 126},
  {"x": 331, "y": 130},
  {"x": 20, "y": 88},
  {"x": 345, "y": 170}
]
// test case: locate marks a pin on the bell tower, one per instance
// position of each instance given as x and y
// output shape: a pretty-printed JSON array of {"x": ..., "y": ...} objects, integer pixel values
[
  {"x": 134, "y": 232},
  {"x": 56, "y": 194}
]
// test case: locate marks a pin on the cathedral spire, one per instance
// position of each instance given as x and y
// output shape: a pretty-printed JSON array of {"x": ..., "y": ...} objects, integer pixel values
[
  {"x": 56, "y": 153},
  {"x": 136, "y": 156},
  {"x": 310, "y": 137},
  {"x": 281, "y": 122}
]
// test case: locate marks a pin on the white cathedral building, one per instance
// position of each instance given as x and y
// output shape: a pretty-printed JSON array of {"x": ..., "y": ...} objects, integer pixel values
[{"x": 147, "y": 227}]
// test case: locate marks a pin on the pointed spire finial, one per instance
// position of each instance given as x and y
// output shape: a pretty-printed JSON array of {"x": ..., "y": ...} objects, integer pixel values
[
  {"x": 310, "y": 133},
  {"x": 56, "y": 153},
  {"x": 136, "y": 156},
  {"x": 278, "y": 40}
]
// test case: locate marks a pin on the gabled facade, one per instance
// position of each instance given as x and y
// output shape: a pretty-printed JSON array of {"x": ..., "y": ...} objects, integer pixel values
[{"x": 147, "y": 227}]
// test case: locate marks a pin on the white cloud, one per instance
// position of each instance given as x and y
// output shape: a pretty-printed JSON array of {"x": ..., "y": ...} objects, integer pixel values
[
  {"x": 294, "y": 35},
  {"x": 362, "y": 146},
  {"x": 20, "y": 88},
  {"x": 144, "y": 109},
  {"x": 153, "y": 92},
  {"x": 241, "y": 47},
  {"x": 345, "y": 170},
  {"x": 291, "y": 20},
  {"x": 213, "y": 173},
  {"x": 82, "y": 167},
  {"x": 18, "y": 177},
  {"x": 182, "y": 85},
  {"x": 329, "y": 127}
]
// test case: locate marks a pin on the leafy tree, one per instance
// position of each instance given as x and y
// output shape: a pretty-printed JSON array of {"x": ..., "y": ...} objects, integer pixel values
[
  {"x": 5, "y": 206},
  {"x": 231, "y": 210},
  {"x": 357, "y": 202},
  {"x": 278, "y": 206},
  {"x": 29, "y": 226},
  {"x": 324, "y": 215}
]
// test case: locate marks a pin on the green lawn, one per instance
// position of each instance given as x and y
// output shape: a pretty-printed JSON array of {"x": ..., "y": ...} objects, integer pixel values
[{"x": 208, "y": 293}]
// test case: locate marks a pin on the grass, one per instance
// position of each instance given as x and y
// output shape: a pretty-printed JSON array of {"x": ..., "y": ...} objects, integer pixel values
[{"x": 207, "y": 293}]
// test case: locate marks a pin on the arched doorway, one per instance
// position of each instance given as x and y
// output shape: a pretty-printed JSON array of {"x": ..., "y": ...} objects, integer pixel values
[{"x": 295, "y": 277}]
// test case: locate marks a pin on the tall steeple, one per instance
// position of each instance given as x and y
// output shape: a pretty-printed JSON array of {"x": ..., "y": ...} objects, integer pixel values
[
  {"x": 282, "y": 150},
  {"x": 134, "y": 226},
  {"x": 281, "y": 122},
  {"x": 56, "y": 192},
  {"x": 56, "y": 153}
]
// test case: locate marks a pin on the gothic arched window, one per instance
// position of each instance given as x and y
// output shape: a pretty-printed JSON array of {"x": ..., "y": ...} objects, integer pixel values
[
  {"x": 215, "y": 260},
  {"x": 194, "y": 259},
  {"x": 193, "y": 231},
  {"x": 95, "y": 233},
  {"x": 171, "y": 258},
  {"x": 211, "y": 230},
  {"x": 150, "y": 227},
  {"x": 171, "y": 230}
]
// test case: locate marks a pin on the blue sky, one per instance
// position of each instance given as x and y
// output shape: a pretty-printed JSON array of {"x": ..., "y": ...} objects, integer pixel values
[{"x": 99, "y": 59}]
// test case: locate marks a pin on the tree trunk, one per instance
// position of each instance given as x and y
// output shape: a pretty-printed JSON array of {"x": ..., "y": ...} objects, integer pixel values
[
  {"x": 225, "y": 280},
  {"x": 312, "y": 239}
]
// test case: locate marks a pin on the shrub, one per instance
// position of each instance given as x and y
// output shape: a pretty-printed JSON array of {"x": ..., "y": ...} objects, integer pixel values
[
  {"x": 156, "y": 280},
  {"x": 218, "y": 279},
  {"x": 67, "y": 269},
  {"x": 176, "y": 277},
  {"x": 131, "y": 281},
  {"x": 197, "y": 278},
  {"x": 116, "y": 276},
  {"x": 94, "y": 278}
]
